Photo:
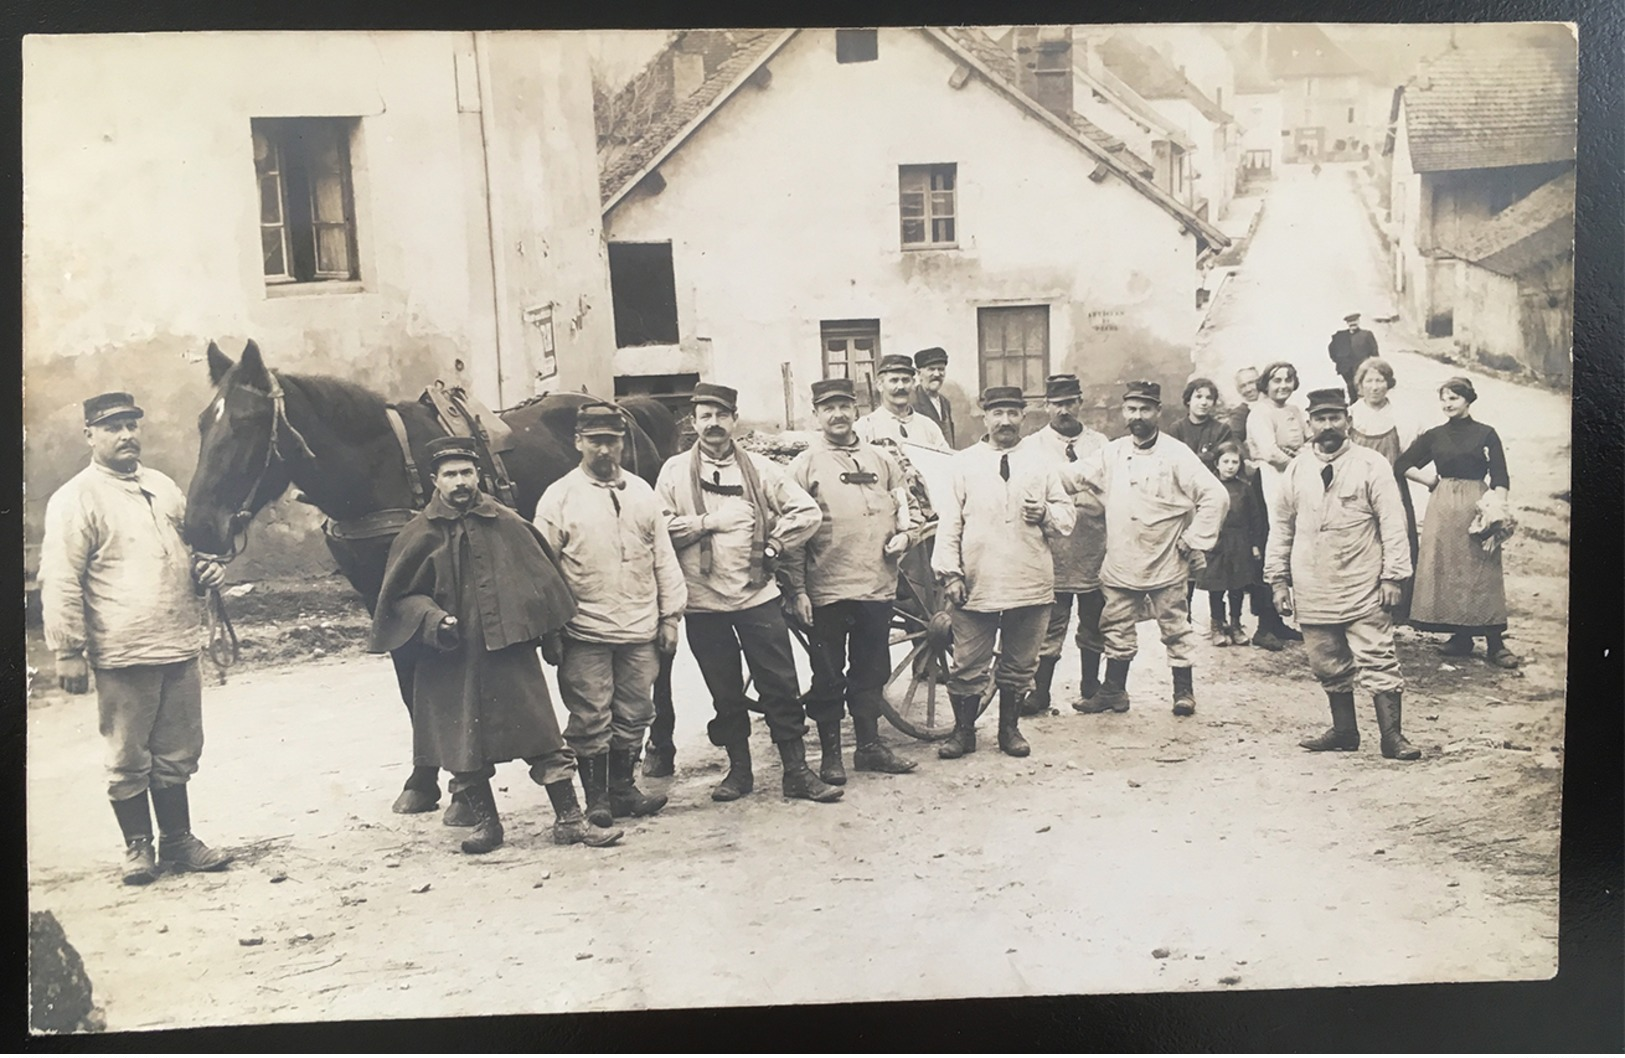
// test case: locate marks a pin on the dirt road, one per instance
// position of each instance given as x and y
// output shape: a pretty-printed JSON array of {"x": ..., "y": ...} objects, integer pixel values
[{"x": 1130, "y": 853}]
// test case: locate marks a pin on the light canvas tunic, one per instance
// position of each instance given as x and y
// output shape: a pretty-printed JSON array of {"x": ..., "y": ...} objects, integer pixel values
[
  {"x": 615, "y": 554},
  {"x": 845, "y": 559},
  {"x": 1156, "y": 498},
  {"x": 882, "y": 425},
  {"x": 792, "y": 517},
  {"x": 1078, "y": 555},
  {"x": 1334, "y": 545},
  {"x": 115, "y": 573},
  {"x": 982, "y": 536}
]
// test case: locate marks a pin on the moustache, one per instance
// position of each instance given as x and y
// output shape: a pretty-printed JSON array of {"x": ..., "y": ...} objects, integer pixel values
[
  {"x": 1140, "y": 427},
  {"x": 1329, "y": 435}
]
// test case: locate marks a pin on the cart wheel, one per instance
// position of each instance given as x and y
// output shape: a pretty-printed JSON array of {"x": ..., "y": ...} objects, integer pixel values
[{"x": 916, "y": 694}]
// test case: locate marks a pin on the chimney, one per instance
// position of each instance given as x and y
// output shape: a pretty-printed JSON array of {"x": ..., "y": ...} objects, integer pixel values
[
  {"x": 1044, "y": 66},
  {"x": 687, "y": 74}
]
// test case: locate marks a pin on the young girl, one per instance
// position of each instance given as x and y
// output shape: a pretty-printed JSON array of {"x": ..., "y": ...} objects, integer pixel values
[{"x": 1235, "y": 566}]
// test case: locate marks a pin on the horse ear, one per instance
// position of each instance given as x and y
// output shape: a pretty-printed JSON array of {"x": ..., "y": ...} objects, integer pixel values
[
  {"x": 253, "y": 365},
  {"x": 219, "y": 364}
]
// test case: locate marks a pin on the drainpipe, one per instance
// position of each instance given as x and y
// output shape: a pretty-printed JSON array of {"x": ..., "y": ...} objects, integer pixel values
[{"x": 482, "y": 70}]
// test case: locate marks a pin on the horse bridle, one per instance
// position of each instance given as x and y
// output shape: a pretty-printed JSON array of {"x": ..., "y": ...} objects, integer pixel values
[{"x": 279, "y": 424}]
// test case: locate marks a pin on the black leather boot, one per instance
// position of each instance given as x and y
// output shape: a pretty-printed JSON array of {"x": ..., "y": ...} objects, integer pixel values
[
  {"x": 625, "y": 799},
  {"x": 177, "y": 848},
  {"x": 570, "y": 827},
  {"x": 1113, "y": 694},
  {"x": 420, "y": 794},
  {"x": 595, "y": 781},
  {"x": 659, "y": 761},
  {"x": 1037, "y": 701},
  {"x": 459, "y": 813},
  {"x": 487, "y": 835},
  {"x": 1184, "y": 693},
  {"x": 1090, "y": 685},
  {"x": 799, "y": 780},
  {"x": 1344, "y": 734},
  {"x": 739, "y": 781},
  {"x": 872, "y": 754},
  {"x": 830, "y": 767},
  {"x": 140, "y": 861},
  {"x": 1011, "y": 741},
  {"x": 963, "y": 740},
  {"x": 1394, "y": 746}
]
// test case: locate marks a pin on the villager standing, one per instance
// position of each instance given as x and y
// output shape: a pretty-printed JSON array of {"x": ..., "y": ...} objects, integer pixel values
[
  {"x": 992, "y": 556},
  {"x": 1164, "y": 508},
  {"x": 845, "y": 579},
  {"x": 1348, "y": 348},
  {"x": 121, "y": 594},
  {"x": 1235, "y": 565},
  {"x": 1337, "y": 556},
  {"x": 929, "y": 400},
  {"x": 1200, "y": 429},
  {"x": 1460, "y": 586},
  {"x": 732, "y": 517},
  {"x": 1272, "y": 633},
  {"x": 608, "y": 533},
  {"x": 479, "y": 588},
  {"x": 1247, "y": 387},
  {"x": 1062, "y": 445},
  {"x": 1375, "y": 422}
]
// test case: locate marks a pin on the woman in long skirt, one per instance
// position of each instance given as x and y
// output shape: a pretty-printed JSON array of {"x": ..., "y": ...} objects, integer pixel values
[
  {"x": 1375, "y": 423},
  {"x": 1460, "y": 588}
]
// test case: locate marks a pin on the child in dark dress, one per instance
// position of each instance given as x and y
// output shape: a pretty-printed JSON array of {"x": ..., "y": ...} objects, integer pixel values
[{"x": 1235, "y": 566}]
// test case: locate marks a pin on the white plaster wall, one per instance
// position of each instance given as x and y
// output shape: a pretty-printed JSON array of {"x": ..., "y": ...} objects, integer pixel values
[
  {"x": 1260, "y": 116},
  {"x": 783, "y": 212}
]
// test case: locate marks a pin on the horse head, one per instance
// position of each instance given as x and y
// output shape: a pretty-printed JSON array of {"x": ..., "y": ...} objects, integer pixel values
[{"x": 240, "y": 467}]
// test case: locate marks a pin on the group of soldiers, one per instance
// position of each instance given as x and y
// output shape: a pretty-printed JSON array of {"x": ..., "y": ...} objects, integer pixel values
[{"x": 1027, "y": 532}]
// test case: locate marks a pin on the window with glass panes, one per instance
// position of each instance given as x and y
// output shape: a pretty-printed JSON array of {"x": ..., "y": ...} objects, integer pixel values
[
  {"x": 926, "y": 204},
  {"x": 1014, "y": 346},
  {"x": 851, "y": 348},
  {"x": 307, "y": 204}
]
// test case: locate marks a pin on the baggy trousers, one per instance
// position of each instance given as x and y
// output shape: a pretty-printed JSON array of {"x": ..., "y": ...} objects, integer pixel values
[
  {"x": 1020, "y": 631},
  {"x": 760, "y": 634},
  {"x": 1360, "y": 651},
  {"x": 151, "y": 717},
  {"x": 851, "y": 658},
  {"x": 607, "y": 688},
  {"x": 1122, "y": 613},
  {"x": 1089, "y": 604}
]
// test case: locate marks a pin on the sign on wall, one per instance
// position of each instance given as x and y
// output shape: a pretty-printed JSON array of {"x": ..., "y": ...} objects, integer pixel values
[{"x": 540, "y": 319}]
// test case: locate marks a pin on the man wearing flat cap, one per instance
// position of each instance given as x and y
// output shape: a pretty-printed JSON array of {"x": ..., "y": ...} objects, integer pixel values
[
  {"x": 1062, "y": 445},
  {"x": 845, "y": 579},
  {"x": 929, "y": 400},
  {"x": 122, "y": 595},
  {"x": 992, "y": 556},
  {"x": 1337, "y": 556},
  {"x": 1350, "y": 347},
  {"x": 1163, "y": 513},
  {"x": 733, "y": 517},
  {"x": 606, "y": 528},
  {"x": 476, "y": 588}
]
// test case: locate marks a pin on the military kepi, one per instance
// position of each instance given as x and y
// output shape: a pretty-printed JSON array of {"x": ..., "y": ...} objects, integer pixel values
[
  {"x": 443, "y": 448},
  {"x": 110, "y": 405},
  {"x": 600, "y": 418},
  {"x": 1327, "y": 400},
  {"x": 895, "y": 362},
  {"x": 1142, "y": 390},
  {"x": 1003, "y": 397},
  {"x": 1062, "y": 387},
  {"x": 827, "y": 389},
  {"x": 930, "y": 357},
  {"x": 725, "y": 397}
]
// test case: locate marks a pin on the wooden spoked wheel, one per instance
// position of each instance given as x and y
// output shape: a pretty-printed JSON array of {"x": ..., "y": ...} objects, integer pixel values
[{"x": 916, "y": 695}]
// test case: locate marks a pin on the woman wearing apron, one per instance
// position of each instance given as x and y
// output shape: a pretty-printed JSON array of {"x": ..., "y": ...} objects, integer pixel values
[
  {"x": 1377, "y": 424},
  {"x": 1460, "y": 587}
]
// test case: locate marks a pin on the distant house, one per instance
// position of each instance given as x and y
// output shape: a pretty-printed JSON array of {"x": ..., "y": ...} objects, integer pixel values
[
  {"x": 804, "y": 201},
  {"x": 1211, "y": 128},
  {"x": 1109, "y": 102},
  {"x": 1476, "y": 130},
  {"x": 1258, "y": 110},
  {"x": 1332, "y": 107}
]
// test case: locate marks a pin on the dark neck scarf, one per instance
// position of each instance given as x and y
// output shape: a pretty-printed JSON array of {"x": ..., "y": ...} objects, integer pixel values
[{"x": 753, "y": 494}]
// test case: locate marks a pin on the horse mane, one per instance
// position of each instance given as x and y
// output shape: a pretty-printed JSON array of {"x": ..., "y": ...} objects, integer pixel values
[{"x": 350, "y": 409}]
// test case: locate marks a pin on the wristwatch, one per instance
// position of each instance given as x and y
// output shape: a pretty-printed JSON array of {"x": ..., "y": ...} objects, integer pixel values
[{"x": 770, "y": 551}]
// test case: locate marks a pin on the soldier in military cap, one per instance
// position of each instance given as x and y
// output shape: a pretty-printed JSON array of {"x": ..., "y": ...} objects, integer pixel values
[
  {"x": 610, "y": 537},
  {"x": 121, "y": 594},
  {"x": 929, "y": 400},
  {"x": 845, "y": 579},
  {"x": 476, "y": 589},
  {"x": 733, "y": 517},
  {"x": 992, "y": 556},
  {"x": 896, "y": 420},
  {"x": 1164, "y": 509}
]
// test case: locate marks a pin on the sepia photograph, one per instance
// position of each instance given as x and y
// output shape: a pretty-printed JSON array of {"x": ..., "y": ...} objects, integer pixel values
[{"x": 647, "y": 520}]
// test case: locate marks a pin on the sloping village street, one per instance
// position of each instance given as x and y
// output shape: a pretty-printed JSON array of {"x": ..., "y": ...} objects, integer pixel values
[{"x": 1134, "y": 852}]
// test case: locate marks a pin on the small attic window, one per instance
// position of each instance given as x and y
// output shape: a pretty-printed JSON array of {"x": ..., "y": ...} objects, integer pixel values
[{"x": 857, "y": 45}]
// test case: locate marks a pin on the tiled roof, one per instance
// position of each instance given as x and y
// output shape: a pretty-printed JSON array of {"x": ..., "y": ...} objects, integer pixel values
[
  {"x": 1486, "y": 108},
  {"x": 1536, "y": 228},
  {"x": 1110, "y": 85},
  {"x": 1145, "y": 69},
  {"x": 651, "y": 118},
  {"x": 1302, "y": 49},
  {"x": 1251, "y": 77}
]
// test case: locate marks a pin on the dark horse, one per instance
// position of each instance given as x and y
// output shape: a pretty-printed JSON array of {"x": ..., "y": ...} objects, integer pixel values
[{"x": 265, "y": 430}]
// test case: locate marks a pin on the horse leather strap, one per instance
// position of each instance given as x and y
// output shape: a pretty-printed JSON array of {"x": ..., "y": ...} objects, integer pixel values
[
  {"x": 397, "y": 425},
  {"x": 387, "y": 522}
]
